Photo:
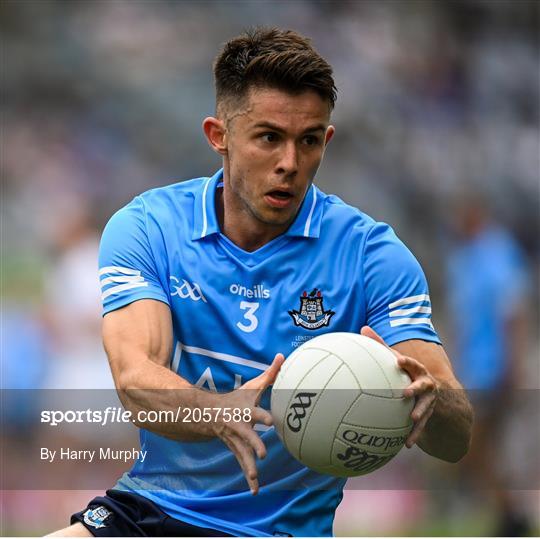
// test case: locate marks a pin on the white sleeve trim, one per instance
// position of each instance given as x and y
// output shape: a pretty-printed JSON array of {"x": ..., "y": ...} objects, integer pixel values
[
  {"x": 411, "y": 321},
  {"x": 410, "y": 299},
  {"x": 412, "y": 310},
  {"x": 122, "y": 279},
  {"x": 121, "y": 288},
  {"x": 118, "y": 269}
]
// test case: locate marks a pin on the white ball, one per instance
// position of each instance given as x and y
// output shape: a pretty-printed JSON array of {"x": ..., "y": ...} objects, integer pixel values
[{"x": 338, "y": 404}]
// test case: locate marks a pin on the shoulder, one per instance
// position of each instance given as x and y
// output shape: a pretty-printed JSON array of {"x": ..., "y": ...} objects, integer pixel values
[
  {"x": 170, "y": 196},
  {"x": 341, "y": 220},
  {"x": 380, "y": 252},
  {"x": 352, "y": 223},
  {"x": 395, "y": 290},
  {"x": 338, "y": 212},
  {"x": 161, "y": 204}
]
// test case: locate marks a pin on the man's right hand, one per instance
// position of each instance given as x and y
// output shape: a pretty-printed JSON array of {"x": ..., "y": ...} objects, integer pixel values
[{"x": 239, "y": 436}]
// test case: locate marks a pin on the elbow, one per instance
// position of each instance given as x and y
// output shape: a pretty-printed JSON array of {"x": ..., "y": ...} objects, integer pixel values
[
  {"x": 462, "y": 444},
  {"x": 452, "y": 452},
  {"x": 458, "y": 453},
  {"x": 125, "y": 376},
  {"x": 453, "y": 441},
  {"x": 122, "y": 385},
  {"x": 123, "y": 381}
]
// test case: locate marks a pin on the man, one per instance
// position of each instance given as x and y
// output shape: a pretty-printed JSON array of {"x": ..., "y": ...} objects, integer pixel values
[
  {"x": 487, "y": 271},
  {"x": 198, "y": 279}
]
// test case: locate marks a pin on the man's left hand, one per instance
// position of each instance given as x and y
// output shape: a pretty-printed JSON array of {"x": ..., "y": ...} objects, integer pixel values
[{"x": 424, "y": 388}]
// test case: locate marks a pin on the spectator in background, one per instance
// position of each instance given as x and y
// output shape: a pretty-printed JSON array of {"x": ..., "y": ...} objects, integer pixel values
[
  {"x": 73, "y": 302},
  {"x": 487, "y": 283}
]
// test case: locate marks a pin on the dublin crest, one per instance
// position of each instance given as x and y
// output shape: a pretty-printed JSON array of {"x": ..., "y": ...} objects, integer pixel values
[
  {"x": 311, "y": 314},
  {"x": 97, "y": 516}
]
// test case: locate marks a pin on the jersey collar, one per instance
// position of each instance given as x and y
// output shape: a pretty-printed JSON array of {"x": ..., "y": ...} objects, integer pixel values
[
  {"x": 205, "y": 218},
  {"x": 307, "y": 223}
]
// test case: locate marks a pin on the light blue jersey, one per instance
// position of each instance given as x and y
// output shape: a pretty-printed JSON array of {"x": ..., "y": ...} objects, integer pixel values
[
  {"x": 335, "y": 269},
  {"x": 488, "y": 274}
]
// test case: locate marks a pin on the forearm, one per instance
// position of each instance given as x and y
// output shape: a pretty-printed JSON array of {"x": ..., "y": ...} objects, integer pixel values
[
  {"x": 138, "y": 341},
  {"x": 150, "y": 387},
  {"x": 448, "y": 431}
]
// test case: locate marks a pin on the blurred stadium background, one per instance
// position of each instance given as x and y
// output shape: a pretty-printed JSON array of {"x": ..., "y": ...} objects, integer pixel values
[{"x": 437, "y": 116}]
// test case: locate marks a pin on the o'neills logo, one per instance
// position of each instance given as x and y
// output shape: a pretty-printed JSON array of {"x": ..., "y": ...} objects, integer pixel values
[
  {"x": 299, "y": 406},
  {"x": 258, "y": 291},
  {"x": 370, "y": 440}
]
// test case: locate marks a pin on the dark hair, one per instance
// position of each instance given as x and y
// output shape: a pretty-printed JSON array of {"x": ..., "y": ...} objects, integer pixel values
[{"x": 270, "y": 57}]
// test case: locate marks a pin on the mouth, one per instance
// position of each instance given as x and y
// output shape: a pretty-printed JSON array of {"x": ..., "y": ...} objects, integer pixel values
[{"x": 279, "y": 198}]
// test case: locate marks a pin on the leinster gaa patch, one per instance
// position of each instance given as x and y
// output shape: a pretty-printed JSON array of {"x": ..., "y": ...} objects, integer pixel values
[
  {"x": 311, "y": 314},
  {"x": 97, "y": 516}
]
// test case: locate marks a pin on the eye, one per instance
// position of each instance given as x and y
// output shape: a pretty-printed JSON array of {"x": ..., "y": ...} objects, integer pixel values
[
  {"x": 269, "y": 137},
  {"x": 311, "y": 140}
]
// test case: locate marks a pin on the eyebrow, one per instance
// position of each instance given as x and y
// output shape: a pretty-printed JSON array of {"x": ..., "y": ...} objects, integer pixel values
[{"x": 269, "y": 125}]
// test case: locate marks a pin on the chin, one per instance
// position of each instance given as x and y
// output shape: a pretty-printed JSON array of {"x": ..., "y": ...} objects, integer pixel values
[
  {"x": 281, "y": 222},
  {"x": 271, "y": 219}
]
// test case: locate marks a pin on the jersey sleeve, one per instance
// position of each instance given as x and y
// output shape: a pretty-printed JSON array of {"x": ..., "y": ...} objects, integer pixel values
[
  {"x": 398, "y": 306},
  {"x": 127, "y": 268}
]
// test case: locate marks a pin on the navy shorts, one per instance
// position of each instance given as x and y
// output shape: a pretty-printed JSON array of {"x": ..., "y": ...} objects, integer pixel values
[{"x": 123, "y": 514}]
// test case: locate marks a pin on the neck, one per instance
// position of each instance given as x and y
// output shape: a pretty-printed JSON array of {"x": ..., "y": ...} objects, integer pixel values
[{"x": 241, "y": 227}]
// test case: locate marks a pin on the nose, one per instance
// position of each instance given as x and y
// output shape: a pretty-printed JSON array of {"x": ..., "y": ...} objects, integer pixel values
[{"x": 288, "y": 159}]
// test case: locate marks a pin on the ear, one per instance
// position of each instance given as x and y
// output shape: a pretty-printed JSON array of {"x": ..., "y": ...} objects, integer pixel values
[
  {"x": 330, "y": 130},
  {"x": 215, "y": 132}
]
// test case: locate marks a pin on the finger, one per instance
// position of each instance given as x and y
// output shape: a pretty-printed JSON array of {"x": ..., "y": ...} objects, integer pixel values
[
  {"x": 372, "y": 334},
  {"x": 421, "y": 385},
  {"x": 244, "y": 456},
  {"x": 415, "y": 434},
  {"x": 419, "y": 428},
  {"x": 253, "y": 440},
  {"x": 268, "y": 376},
  {"x": 413, "y": 367},
  {"x": 422, "y": 406},
  {"x": 260, "y": 415},
  {"x": 246, "y": 432}
]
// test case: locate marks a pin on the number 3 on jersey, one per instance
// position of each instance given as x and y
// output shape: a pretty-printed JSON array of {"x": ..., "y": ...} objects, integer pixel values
[{"x": 250, "y": 308}]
